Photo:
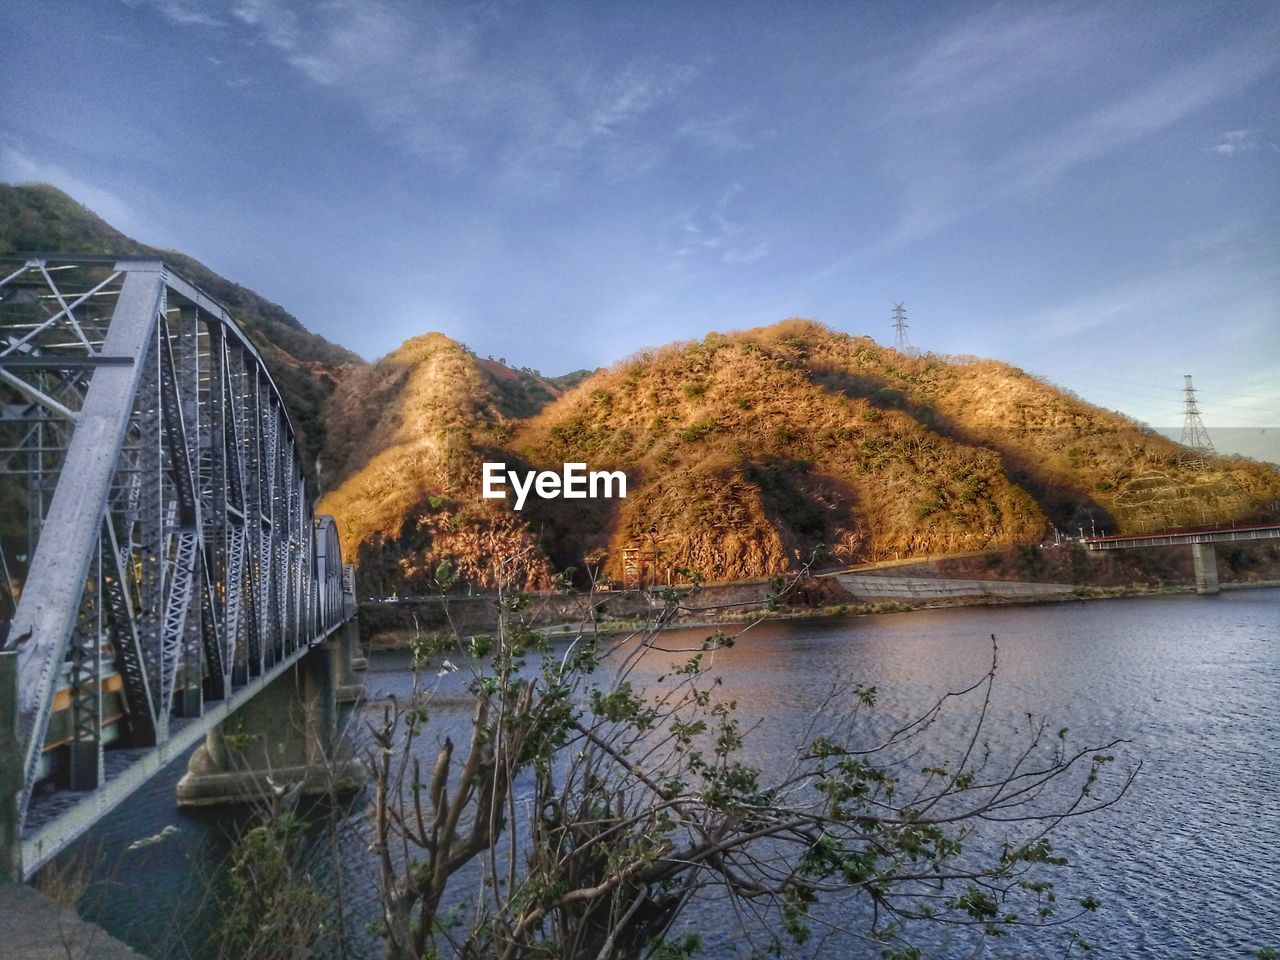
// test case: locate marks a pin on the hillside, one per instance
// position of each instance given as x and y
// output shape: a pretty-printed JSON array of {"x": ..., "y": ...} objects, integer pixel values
[
  {"x": 744, "y": 453},
  {"x": 742, "y": 464},
  {"x": 749, "y": 450},
  {"x": 405, "y": 442},
  {"x": 39, "y": 218}
]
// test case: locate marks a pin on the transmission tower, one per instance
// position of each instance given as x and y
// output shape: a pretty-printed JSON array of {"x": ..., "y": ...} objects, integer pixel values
[
  {"x": 1194, "y": 436},
  {"x": 901, "y": 343}
]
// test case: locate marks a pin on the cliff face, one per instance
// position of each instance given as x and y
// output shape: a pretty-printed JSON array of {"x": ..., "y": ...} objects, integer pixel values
[
  {"x": 36, "y": 218},
  {"x": 744, "y": 454}
]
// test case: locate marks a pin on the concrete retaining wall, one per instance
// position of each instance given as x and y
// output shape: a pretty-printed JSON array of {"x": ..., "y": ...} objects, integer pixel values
[{"x": 867, "y": 587}]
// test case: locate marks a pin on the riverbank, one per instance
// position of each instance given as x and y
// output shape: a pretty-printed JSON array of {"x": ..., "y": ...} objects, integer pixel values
[
  {"x": 395, "y": 625},
  {"x": 1081, "y": 595},
  {"x": 35, "y": 927}
]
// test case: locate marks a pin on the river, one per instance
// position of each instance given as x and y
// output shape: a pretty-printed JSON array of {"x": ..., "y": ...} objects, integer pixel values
[{"x": 1187, "y": 864}]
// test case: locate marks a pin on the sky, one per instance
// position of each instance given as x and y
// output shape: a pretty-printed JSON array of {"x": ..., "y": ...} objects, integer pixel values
[{"x": 1089, "y": 191}]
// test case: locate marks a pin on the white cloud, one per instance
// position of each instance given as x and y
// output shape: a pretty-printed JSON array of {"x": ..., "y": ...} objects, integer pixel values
[
  {"x": 1235, "y": 280},
  {"x": 711, "y": 230},
  {"x": 1124, "y": 303},
  {"x": 635, "y": 92},
  {"x": 952, "y": 159},
  {"x": 186, "y": 13},
  {"x": 1235, "y": 141},
  {"x": 720, "y": 132},
  {"x": 990, "y": 58},
  {"x": 1147, "y": 110},
  {"x": 277, "y": 23},
  {"x": 427, "y": 79}
]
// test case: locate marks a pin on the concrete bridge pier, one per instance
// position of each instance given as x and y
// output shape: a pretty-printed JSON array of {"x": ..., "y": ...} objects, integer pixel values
[
  {"x": 359, "y": 659},
  {"x": 1205, "y": 556},
  {"x": 287, "y": 735},
  {"x": 349, "y": 688}
]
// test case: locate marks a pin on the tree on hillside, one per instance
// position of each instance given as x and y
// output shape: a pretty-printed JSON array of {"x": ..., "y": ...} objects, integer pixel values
[{"x": 584, "y": 811}]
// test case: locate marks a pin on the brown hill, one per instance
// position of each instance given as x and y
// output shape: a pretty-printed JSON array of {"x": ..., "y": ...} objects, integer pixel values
[
  {"x": 741, "y": 463},
  {"x": 406, "y": 440},
  {"x": 37, "y": 218},
  {"x": 1084, "y": 465},
  {"x": 745, "y": 453}
]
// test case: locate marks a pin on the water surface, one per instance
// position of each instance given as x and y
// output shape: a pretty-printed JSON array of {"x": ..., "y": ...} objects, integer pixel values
[{"x": 1185, "y": 865}]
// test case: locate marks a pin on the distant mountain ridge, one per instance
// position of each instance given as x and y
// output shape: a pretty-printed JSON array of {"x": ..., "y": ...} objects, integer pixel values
[{"x": 746, "y": 453}]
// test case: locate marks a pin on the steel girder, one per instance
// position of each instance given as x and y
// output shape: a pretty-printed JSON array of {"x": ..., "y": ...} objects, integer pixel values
[{"x": 157, "y": 543}]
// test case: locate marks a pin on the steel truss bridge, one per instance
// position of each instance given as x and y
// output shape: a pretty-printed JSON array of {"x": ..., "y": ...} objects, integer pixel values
[{"x": 160, "y": 563}]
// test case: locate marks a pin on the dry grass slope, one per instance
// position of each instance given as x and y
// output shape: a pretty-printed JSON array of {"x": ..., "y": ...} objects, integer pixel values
[
  {"x": 745, "y": 461},
  {"x": 406, "y": 440},
  {"x": 744, "y": 453}
]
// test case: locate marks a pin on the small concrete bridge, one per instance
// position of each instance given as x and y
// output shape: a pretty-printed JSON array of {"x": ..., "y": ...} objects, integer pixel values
[
  {"x": 1202, "y": 540},
  {"x": 161, "y": 568}
]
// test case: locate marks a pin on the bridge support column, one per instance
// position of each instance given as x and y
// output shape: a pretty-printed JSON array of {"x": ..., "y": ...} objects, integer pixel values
[
  {"x": 285, "y": 736},
  {"x": 359, "y": 659},
  {"x": 348, "y": 658},
  {"x": 1205, "y": 556}
]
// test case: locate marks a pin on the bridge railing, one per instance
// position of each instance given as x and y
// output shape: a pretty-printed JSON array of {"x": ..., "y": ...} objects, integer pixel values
[{"x": 158, "y": 549}]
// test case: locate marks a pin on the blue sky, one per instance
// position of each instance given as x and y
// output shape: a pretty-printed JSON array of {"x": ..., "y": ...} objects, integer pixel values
[{"x": 1088, "y": 191}]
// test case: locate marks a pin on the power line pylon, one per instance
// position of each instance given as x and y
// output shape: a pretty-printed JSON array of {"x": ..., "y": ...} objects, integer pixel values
[
  {"x": 1194, "y": 436},
  {"x": 901, "y": 343}
]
